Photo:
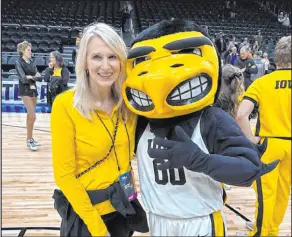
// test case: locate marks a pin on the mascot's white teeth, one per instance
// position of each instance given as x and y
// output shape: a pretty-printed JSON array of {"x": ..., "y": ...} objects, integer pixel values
[
  {"x": 189, "y": 89},
  {"x": 140, "y": 98}
]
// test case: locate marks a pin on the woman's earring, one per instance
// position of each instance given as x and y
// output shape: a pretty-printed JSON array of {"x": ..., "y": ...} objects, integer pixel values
[{"x": 86, "y": 71}]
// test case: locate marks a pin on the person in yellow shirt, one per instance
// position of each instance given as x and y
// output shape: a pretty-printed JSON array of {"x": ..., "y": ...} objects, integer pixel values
[
  {"x": 93, "y": 143},
  {"x": 272, "y": 94}
]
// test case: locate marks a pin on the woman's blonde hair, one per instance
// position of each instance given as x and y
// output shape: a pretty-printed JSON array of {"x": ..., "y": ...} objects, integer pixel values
[
  {"x": 22, "y": 46},
  {"x": 84, "y": 100},
  {"x": 231, "y": 89}
]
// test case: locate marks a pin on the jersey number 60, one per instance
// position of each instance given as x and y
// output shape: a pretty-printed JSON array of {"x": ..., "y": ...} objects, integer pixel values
[{"x": 164, "y": 179}]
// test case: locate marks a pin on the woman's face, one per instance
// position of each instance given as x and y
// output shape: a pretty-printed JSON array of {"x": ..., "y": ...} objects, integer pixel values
[
  {"x": 27, "y": 52},
  {"x": 103, "y": 64},
  {"x": 53, "y": 61}
]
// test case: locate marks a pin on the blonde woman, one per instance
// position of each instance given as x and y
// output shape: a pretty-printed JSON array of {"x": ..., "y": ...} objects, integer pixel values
[
  {"x": 28, "y": 75},
  {"x": 93, "y": 143}
]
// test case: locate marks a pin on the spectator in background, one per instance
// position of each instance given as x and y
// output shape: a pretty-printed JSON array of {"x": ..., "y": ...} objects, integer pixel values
[
  {"x": 221, "y": 45},
  {"x": 126, "y": 17},
  {"x": 284, "y": 19},
  {"x": 75, "y": 51},
  {"x": 213, "y": 40},
  {"x": 245, "y": 43},
  {"x": 266, "y": 62},
  {"x": 28, "y": 75},
  {"x": 206, "y": 29},
  {"x": 260, "y": 65},
  {"x": 246, "y": 65},
  {"x": 57, "y": 77},
  {"x": 259, "y": 39},
  {"x": 231, "y": 44},
  {"x": 234, "y": 42},
  {"x": 255, "y": 47},
  {"x": 232, "y": 57},
  {"x": 233, "y": 10},
  {"x": 250, "y": 53}
]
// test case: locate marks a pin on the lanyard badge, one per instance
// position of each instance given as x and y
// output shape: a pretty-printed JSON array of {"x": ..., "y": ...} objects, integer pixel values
[{"x": 127, "y": 182}]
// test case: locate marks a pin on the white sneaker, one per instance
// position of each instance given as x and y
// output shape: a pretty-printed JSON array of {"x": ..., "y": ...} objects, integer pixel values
[
  {"x": 241, "y": 234},
  {"x": 249, "y": 225},
  {"x": 35, "y": 142},
  {"x": 227, "y": 187},
  {"x": 30, "y": 144}
]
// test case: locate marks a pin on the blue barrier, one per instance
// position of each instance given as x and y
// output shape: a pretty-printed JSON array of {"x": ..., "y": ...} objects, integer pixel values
[
  {"x": 19, "y": 108},
  {"x": 11, "y": 102}
]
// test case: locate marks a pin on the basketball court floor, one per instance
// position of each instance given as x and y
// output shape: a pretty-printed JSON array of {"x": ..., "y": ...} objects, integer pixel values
[{"x": 28, "y": 184}]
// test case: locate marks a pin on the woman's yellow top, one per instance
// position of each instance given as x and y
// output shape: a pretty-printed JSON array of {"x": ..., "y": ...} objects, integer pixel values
[
  {"x": 77, "y": 143},
  {"x": 57, "y": 72}
]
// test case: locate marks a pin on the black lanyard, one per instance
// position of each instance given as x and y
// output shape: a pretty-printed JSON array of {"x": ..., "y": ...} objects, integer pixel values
[{"x": 113, "y": 140}]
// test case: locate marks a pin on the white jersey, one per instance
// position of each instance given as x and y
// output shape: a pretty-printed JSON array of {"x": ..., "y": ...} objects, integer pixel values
[{"x": 176, "y": 193}]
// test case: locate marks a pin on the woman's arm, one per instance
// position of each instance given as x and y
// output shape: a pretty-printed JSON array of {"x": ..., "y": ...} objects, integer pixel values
[
  {"x": 21, "y": 74},
  {"x": 64, "y": 164},
  {"x": 48, "y": 72}
]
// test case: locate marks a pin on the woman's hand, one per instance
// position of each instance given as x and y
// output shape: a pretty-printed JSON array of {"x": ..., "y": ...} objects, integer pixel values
[
  {"x": 29, "y": 77},
  {"x": 107, "y": 234}
]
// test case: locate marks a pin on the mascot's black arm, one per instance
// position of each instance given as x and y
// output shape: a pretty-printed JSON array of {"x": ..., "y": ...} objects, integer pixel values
[{"x": 233, "y": 158}]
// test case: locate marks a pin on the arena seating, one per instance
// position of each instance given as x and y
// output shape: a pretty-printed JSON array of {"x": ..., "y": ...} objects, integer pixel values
[
  {"x": 50, "y": 24},
  {"x": 249, "y": 17},
  {"x": 54, "y": 25}
]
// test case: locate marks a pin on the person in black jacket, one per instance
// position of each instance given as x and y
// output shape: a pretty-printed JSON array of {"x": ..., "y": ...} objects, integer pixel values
[
  {"x": 28, "y": 75},
  {"x": 246, "y": 65},
  {"x": 57, "y": 76},
  {"x": 221, "y": 45}
]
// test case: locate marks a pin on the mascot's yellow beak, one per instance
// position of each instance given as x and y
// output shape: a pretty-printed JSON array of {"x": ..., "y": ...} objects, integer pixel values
[{"x": 170, "y": 76}]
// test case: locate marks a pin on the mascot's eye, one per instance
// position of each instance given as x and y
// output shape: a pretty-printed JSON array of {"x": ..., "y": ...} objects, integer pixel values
[
  {"x": 196, "y": 51},
  {"x": 140, "y": 60}
]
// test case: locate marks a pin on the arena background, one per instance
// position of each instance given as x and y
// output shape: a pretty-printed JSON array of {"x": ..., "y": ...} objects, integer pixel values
[{"x": 54, "y": 25}]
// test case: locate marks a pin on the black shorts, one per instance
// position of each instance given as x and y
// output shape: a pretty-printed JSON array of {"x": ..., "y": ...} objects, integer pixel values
[{"x": 24, "y": 90}]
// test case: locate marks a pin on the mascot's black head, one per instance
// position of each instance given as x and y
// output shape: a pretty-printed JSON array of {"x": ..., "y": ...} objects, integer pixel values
[{"x": 173, "y": 69}]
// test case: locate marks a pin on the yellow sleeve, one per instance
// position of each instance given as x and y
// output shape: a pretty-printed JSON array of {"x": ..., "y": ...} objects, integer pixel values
[
  {"x": 133, "y": 124},
  {"x": 63, "y": 152},
  {"x": 253, "y": 92}
]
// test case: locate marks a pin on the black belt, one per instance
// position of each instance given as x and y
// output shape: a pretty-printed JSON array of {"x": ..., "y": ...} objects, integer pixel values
[
  {"x": 72, "y": 224},
  {"x": 114, "y": 193}
]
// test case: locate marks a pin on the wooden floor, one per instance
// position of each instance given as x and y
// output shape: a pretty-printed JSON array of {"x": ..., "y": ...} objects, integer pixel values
[{"x": 27, "y": 184}]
